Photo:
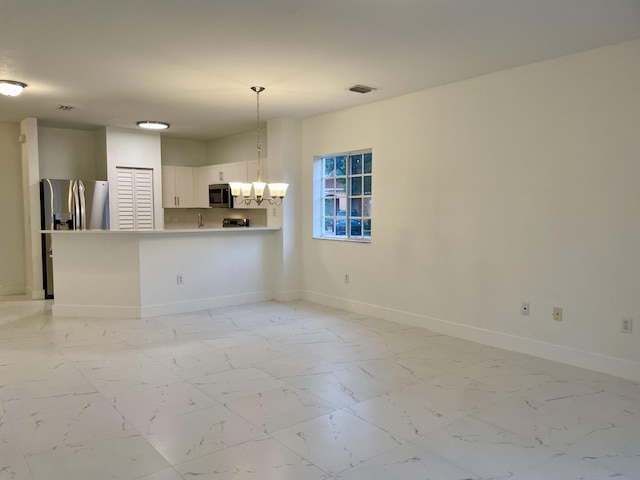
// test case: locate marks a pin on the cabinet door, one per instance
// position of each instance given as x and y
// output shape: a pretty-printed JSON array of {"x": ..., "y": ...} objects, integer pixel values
[
  {"x": 135, "y": 198},
  {"x": 202, "y": 178},
  {"x": 252, "y": 169},
  {"x": 225, "y": 172},
  {"x": 184, "y": 186},
  {"x": 239, "y": 172},
  {"x": 251, "y": 173},
  {"x": 169, "y": 199}
]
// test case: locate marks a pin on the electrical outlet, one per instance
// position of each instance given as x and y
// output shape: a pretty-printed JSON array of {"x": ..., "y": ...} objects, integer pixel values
[
  {"x": 346, "y": 278},
  {"x": 179, "y": 279},
  {"x": 524, "y": 308},
  {"x": 626, "y": 325},
  {"x": 557, "y": 314}
]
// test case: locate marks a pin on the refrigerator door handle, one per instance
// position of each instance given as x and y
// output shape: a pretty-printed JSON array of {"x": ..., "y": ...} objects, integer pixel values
[
  {"x": 83, "y": 206},
  {"x": 52, "y": 225},
  {"x": 76, "y": 205}
]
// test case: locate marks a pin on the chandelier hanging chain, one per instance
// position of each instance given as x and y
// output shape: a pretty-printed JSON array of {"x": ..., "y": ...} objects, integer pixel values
[
  {"x": 277, "y": 191},
  {"x": 258, "y": 144}
]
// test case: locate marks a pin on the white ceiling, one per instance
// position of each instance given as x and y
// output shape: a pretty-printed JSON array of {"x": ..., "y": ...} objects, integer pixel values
[{"x": 191, "y": 62}]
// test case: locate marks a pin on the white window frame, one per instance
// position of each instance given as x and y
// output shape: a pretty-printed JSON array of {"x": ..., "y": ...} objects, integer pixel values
[{"x": 355, "y": 206}]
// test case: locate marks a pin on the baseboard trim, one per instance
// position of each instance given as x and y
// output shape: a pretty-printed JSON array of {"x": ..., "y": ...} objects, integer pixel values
[
  {"x": 12, "y": 290},
  {"x": 146, "y": 311},
  {"x": 559, "y": 353},
  {"x": 287, "y": 296},
  {"x": 99, "y": 311},
  {"x": 204, "y": 304},
  {"x": 16, "y": 307},
  {"x": 36, "y": 294}
]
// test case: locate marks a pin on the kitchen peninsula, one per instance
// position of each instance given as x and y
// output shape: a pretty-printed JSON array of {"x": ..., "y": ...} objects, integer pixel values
[{"x": 143, "y": 273}]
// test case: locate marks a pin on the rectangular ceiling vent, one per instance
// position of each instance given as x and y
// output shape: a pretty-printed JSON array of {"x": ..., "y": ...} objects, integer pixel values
[{"x": 361, "y": 89}]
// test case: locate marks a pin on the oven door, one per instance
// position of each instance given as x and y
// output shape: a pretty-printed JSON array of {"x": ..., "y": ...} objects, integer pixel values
[{"x": 220, "y": 196}]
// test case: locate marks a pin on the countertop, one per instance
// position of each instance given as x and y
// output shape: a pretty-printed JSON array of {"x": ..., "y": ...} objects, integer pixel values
[{"x": 164, "y": 231}]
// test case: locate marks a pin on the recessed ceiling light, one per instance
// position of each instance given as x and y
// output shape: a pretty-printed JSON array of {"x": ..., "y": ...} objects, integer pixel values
[
  {"x": 361, "y": 89},
  {"x": 153, "y": 125},
  {"x": 11, "y": 88}
]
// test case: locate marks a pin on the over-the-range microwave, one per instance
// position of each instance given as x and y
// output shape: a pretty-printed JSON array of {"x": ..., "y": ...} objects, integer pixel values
[{"x": 220, "y": 196}]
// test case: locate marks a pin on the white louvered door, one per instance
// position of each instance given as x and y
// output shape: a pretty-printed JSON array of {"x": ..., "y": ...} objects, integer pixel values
[{"x": 135, "y": 199}]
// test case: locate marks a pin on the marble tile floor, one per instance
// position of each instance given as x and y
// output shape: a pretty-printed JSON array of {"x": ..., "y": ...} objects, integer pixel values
[{"x": 275, "y": 391}]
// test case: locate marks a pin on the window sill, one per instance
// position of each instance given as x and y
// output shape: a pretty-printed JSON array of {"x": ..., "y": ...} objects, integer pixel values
[{"x": 343, "y": 239}]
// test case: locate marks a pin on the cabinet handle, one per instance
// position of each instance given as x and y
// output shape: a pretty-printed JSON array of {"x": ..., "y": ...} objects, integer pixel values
[{"x": 178, "y": 197}]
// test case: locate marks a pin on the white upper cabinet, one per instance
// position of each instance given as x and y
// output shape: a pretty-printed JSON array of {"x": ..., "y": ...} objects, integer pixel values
[
  {"x": 223, "y": 173},
  {"x": 202, "y": 178},
  {"x": 239, "y": 172},
  {"x": 252, "y": 170},
  {"x": 183, "y": 190},
  {"x": 177, "y": 187},
  {"x": 250, "y": 174}
]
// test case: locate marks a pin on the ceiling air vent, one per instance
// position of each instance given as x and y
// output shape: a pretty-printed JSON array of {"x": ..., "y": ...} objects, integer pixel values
[
  {"x": 361, "y": 89},
  {"x": 65, "y": 108}
]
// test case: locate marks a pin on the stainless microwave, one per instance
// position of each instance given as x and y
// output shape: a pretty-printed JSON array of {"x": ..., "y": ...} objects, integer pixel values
[{"x": 220, "y": 196}]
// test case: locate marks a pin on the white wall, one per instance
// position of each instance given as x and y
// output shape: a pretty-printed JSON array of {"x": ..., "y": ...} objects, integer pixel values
[
  {"x": 186, "y": 218},
  {"x": 184, "y": 153},
  {"x": 237, "y": 148},
  {"x": 518, "y": 186},
  {"x": 218, "y": 269},
  {"x": 67, "y": 153},
  {"x": 12, "y": 254},
  {"x": 195, "y": 153}
]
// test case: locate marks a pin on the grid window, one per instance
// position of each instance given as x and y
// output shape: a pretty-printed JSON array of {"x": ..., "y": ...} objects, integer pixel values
[{"x": 344, "y": 185}]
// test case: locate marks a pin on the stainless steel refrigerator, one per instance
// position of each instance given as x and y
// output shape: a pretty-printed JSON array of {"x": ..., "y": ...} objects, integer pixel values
[{"x": 70, "y": 205}]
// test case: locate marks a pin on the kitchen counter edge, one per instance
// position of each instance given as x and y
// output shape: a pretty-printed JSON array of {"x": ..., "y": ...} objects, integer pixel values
[{"x": 164, "y": 231}]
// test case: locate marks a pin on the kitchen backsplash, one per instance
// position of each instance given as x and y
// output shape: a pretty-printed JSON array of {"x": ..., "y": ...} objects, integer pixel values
[{"x": 184, "y": 218}]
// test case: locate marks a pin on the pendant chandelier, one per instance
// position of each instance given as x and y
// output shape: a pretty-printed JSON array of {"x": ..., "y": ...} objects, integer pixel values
[{"x": 277, "y": 191}]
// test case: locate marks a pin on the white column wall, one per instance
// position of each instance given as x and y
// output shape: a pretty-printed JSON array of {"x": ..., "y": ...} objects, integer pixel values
[
  {"x": 285, "y": 166},
  {"x": 12, "y": 232},
  {"x": 31, "y": 206},
  {"x": 516, "y": 186},
  {"x": 130, "y": 148}
]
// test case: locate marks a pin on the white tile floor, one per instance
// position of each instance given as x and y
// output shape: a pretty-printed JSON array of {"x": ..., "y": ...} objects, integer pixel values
[{"x": 295, "y": 391}]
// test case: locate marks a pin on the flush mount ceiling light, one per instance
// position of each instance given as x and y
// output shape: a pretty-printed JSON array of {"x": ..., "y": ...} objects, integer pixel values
[
  {"x": 153, "y": 125},
  {"x": 277, "y": 190},
  {"x": 11, "y": 88}
]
